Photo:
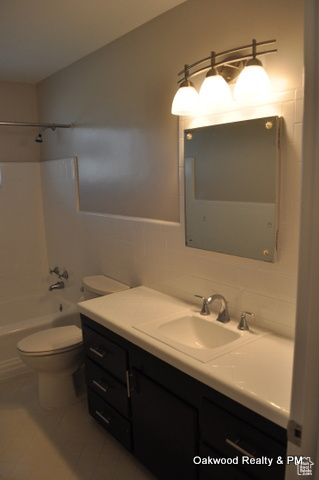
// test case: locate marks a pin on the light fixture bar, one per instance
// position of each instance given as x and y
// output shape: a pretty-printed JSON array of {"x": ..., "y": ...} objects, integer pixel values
[{"x": 228, "y": 61}]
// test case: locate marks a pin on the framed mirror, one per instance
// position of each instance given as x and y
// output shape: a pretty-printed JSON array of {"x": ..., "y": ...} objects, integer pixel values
[{"x": 232, "y": 188}]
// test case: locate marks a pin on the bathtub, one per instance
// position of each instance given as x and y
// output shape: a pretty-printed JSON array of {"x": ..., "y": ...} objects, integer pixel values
[{"x": 23, "y": 317}]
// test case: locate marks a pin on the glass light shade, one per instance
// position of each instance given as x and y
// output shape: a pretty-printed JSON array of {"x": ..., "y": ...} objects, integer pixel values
[
  {"x": 214, "y": 92},
  {"x": 252, "y": 84},
  {"x": 185, "y": 101}
]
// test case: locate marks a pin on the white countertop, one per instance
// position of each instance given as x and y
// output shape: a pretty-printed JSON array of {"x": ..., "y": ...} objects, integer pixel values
[{"x": 258, "y": 375}]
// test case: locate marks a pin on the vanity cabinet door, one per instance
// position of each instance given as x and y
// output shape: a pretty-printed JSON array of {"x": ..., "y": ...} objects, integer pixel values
[
  {"x": 164, "y": 430},
  {"x": 232, "y": 437},
  {"x": 218, "y": 471}
]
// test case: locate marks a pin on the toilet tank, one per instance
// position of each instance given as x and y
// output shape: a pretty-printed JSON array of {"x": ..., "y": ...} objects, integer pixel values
[{"x": 99, "y": 285}]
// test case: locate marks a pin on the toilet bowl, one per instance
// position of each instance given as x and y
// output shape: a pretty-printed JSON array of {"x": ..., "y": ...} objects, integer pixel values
[{"x": 56, "y": 354}]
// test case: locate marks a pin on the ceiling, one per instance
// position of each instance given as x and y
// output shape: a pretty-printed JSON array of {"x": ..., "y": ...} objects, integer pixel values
[{"x": 40, "y": 37}]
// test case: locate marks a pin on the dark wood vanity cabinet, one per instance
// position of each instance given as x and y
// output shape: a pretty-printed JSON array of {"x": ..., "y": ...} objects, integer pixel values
[
  {"x": 233, "y": 432},
  {"x": 106, "y": 370},
  {"x": 164, "y": 429},
  {"x": 175, "y": 425}
]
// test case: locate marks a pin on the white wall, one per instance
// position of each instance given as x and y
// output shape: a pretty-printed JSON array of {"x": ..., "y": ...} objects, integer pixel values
[
  {"x": 120, "y": 97},
  {"x": 305, "y": 389},
  {"x": 22, "y": 241},
  {"x": 152, "y": 253},
  {"x": 267, "y": 289}
]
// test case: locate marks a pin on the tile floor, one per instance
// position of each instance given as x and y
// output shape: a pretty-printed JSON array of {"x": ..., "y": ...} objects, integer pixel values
[{"x": 64, "y": 444}]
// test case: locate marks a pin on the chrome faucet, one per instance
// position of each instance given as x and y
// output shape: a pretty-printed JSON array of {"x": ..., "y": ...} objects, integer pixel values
[
  {"x": 56, "y": 286},
  {"x": 223, "y": 315}
]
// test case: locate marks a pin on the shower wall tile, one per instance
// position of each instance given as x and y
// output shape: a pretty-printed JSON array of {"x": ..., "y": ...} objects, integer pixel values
[{"x": 22, "y": 240}]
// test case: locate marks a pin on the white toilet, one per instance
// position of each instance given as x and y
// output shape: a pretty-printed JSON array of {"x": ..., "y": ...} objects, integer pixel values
[
  {"x": 100, "y": 285},
  {"x": 57, "y": 353}
]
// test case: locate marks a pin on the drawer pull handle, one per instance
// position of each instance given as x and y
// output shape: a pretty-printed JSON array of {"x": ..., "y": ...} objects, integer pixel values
[
  {"x": 96, "y": 352},
  {"x": 106, "y": 420},
  {"x": 238, "y": 448},
  {"x": 97, "y": 384}
]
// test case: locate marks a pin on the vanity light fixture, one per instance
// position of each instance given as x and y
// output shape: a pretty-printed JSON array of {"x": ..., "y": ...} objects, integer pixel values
[
  {"x": 186, "y": 99},
  {"x": 252, "y": 83},
  {"x": 214, "y": 89}
]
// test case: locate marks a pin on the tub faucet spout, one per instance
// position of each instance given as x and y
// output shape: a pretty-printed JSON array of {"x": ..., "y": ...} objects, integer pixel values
[{"x": 56, "y": 286}]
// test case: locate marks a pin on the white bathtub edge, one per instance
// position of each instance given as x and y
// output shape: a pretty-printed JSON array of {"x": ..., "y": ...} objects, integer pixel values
[{"x": 11, "y": 368}]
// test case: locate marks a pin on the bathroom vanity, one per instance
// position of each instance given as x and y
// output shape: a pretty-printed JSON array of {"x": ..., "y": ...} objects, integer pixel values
[{"x": 176, "y": 414}]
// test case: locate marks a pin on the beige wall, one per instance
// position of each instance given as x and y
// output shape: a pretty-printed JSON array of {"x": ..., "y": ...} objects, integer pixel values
[{"x": 18, "y": 103}]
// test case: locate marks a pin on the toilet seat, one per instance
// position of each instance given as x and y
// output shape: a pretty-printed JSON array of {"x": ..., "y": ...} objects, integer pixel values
[{"x": 51, "y": 341}]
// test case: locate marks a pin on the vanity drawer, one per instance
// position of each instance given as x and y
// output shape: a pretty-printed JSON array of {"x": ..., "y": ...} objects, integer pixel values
[
  {"x": 105, "y": 353},
  {"x": 110, "y": 419},
  {"x": 108, "y": 387},
  {"x": 231, "y": 437}
]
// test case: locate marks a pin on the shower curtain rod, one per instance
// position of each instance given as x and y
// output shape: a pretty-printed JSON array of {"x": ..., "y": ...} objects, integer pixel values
[{"x": 39, "y": 125}]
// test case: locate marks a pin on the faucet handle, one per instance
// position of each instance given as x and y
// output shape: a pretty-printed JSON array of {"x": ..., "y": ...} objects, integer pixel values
[
  {"x": 243, "y": 325},
  {"x": 205, "y": 308},
  {"x": 55, "y": 270},
  {"x": 64, "y": 275}
]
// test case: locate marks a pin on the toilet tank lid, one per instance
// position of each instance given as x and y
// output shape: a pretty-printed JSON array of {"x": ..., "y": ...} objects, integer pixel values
[
  {"x": 51, "y": 339},
  {"x": 102, "y": 285}
]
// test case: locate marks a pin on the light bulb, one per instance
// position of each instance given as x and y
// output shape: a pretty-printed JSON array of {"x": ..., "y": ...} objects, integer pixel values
[
  {"x": 186, "y": 100},
  {"x": 214, "y": 92},
  {"x": 252, "y": 84}
]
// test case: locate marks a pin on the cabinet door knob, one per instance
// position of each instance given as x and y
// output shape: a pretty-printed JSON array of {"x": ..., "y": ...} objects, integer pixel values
[
  {"x": 239, "y": 448},
  {"x": 106, "y": 420}
]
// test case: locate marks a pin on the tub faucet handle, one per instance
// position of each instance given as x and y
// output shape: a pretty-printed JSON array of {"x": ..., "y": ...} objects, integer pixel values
[
  {"x": 56, "y": 270},
  {"x": 64, "y": 275}
]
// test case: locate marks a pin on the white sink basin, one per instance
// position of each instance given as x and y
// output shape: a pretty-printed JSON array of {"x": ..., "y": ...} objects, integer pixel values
[
  {"x": 199, "y": 337},
  {"x": 197, "y": 332}
]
